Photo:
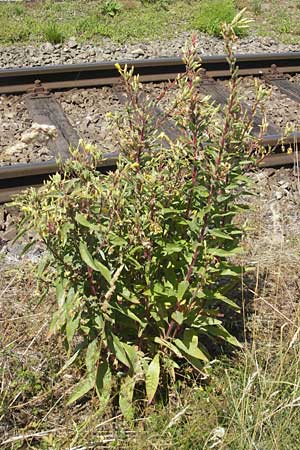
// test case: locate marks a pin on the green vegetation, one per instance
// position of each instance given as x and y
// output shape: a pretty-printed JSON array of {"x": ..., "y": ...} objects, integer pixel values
[
  {"x": 136, "y": 20},
  {"x": 53, "y": 34},
  {"x": 111, "y": 8},
  {"x": 257, "y": 6},
  {"x": 122, "y": 21},
  {"x": 140, "y": 258},
  {"x": 212, "y": 13}
]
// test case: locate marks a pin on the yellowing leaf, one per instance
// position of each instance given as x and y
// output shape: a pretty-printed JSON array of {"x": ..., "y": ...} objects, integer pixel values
[
  {"x": 92, "y": 357},
  {"x": 126, "y": 396},
  {"x": 178, "y": 317},
  {"x": 152, "y": 378}
]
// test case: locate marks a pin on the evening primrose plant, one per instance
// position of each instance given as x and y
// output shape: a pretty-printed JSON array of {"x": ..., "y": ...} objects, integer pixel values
[{"x": 141, "y": 258}]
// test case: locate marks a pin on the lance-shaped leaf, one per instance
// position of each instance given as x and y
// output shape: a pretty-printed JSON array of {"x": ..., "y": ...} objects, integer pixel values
[
  {"x": 92, "y": 357},
  {"x": 103, "y": 383},
  {"x": 71, "y": 328},
  {"x": 117, "y": 348},
  {"x": 169, "y": 345},
  {"x": 93, "y": 263},
  {"x": 126, "y": 396},
  {"x": 217, "y": 232},
  {"x": 181, "y": 290},
  {"x": 189, "y": 345},
  {"x": 152, "y": 378},
  {"x": 82, "y": 220},
  {"x": 225, "y": 253},
  {"x": 220, "y": 332},
  {"x": 82, "y": 388}
]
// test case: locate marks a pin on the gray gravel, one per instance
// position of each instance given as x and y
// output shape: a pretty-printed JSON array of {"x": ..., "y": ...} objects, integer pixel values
[
  {"x": 87, "y": 111},
  {"x": 72, "y": 52},
  {"x": 279, "y": 108},
  {"x": 14, "y": 123}
]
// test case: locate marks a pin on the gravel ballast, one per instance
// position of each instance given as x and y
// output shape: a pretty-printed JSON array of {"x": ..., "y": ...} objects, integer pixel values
[{"x": 73, "y": 52}]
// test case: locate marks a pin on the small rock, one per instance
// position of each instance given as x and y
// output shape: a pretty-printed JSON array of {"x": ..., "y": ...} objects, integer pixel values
[
  {"x": 9, "y": 235},
  {"x": 48, "y": 48},
  {"x": 15, "y": 148},
  {"x": 270, "y": 172},
  {"x": 138, "y": 52},
  {"x": 72, "y": 43}
]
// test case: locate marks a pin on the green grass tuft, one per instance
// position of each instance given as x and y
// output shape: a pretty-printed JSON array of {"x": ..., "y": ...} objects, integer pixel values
[
  {"x": 212, "y": 13},
  {"x": 53, "y": 33}
]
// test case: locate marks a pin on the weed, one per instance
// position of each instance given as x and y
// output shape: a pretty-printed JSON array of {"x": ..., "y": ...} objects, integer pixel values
[
  {"x": 53, "y": 34},
  {"x": 18, "y": 10},
  {"x": 111, "y": 8},
  {"x": 211, "y": 14},
  {"x": 161, "y": 4},
  {"x": 141, "y": 256},
  {"x": 257, "y": 6}
]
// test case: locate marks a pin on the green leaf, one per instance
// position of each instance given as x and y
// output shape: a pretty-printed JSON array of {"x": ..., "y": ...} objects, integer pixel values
[
  {"x": 42, "y": 266},
  {"x": 190, "y": 346},
  {"x": 178, "y": 317},
  {"x": 202, "y": 191},
  {"x": 92, "y": 357},
  {"x": 70, "y": 361},
  {"x": 86, "y": 256},
  {"x": 64, "y": 231},
  {"x": 117, "y": 240},
  {"x": 220, "y": 234},
  {"x": 182, "y": 287},
  {"x": 226, "y": 300},
  {"x": 171, "y": 248},
  {"x": 103, "y": 270},
  {"x": 27, "y": 247},
  {"x": 126, "y": 396},
  {"x": 82, "y": 388},
  {"x": 82, "y": 220},
  {"x": 225, "y": 253},
  {"x": 228, "y": 272},
  {"x": 132, "y": 355},
  {"x": 169, "y": 345},
  {"x": 103, "y": 383},
  {"x": 130, "y": 296},
  {"x": 60, "y": 292},
  {"x": 93, "y": 263},
  {"x": 71, "y": 328},
  {"x": 220, "y": 332},
  {"x": 152, "y": 378},
  {"x": 118, "y": 350}
]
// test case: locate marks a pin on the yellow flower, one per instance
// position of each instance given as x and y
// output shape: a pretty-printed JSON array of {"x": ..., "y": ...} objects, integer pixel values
[{"x": 289, "y": 150}]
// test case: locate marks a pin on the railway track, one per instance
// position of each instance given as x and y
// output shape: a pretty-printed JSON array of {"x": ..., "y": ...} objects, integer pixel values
[{"x": 40, "y": 83}]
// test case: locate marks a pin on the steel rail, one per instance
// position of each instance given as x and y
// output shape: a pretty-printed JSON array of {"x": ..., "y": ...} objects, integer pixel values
[
  {"x": 14, "y": 179},
  {"x": 105, "y": 73}
]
